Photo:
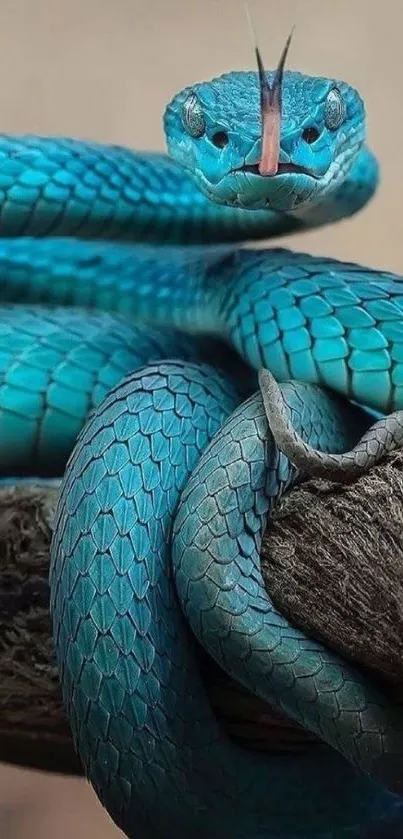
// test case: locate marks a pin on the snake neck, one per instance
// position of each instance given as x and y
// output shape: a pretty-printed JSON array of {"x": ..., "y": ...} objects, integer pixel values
[
  {"x": 317, "y": 320},
  {"x": 355, "y": 191}
]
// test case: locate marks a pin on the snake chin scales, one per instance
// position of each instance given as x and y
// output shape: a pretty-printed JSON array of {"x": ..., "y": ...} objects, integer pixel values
[{"x": 214, "y": 131}]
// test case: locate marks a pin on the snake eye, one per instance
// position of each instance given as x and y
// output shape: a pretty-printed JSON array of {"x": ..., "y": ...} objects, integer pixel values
[
  {"x": 310, "y": 135},
  {"x": 192, "y": 116},
  {"x": 335, "y": 109},
  {"x": 220, "y": 139}
]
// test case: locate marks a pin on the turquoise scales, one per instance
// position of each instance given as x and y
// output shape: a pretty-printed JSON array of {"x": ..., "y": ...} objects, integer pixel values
[
  {"x": 168, "y": 486},
  {"x": 306, "y": 318}
]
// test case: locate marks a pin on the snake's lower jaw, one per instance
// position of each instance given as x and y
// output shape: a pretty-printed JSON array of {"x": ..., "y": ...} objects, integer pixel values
[
  {"x": 249, "y": 190},
  {"x": 283, "y": 169}
]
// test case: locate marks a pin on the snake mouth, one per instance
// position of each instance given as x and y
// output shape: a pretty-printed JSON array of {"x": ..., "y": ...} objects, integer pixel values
[{"x": 283, "y": 169}]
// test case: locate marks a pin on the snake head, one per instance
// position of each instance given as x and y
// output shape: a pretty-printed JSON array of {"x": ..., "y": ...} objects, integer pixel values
[{"x": 215, "y": 131}]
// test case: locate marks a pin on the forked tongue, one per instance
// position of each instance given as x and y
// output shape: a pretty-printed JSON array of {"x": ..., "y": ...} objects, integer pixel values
[{"x": 270, "y": 108}]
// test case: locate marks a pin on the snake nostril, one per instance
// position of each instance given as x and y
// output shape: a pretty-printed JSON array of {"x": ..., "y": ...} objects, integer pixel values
[
  {"x": 220, "y": 139},
  {"x": 310, "y": 134}
]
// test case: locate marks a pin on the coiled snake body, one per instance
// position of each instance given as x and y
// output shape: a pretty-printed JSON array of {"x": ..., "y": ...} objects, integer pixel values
[{"x": 148, "y": 353}]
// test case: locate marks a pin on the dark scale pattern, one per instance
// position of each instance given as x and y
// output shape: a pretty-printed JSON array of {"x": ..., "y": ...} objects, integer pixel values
[
  {"x": 216, "y": 546},
  {"x": 139, "y": 715},
  {"x": 319, "y": 321}
]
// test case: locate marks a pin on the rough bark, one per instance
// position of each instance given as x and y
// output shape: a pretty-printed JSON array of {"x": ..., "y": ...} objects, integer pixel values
[{"x": 332, "y": 561}]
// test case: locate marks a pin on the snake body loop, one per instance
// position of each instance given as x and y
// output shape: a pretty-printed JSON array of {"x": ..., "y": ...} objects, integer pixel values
[{"x": 132, "y": 332}]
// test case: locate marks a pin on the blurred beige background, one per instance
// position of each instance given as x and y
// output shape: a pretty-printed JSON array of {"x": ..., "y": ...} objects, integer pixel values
[{"x": 104, "y": 69}]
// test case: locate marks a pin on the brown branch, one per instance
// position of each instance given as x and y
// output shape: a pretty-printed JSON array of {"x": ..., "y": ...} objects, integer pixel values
[{"x": 332, "y": 561}]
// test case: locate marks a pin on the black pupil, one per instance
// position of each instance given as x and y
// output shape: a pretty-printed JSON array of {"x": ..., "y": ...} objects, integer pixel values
[
  {"x": 220, "y": 139},
  {"x": 310, "y": 134}
]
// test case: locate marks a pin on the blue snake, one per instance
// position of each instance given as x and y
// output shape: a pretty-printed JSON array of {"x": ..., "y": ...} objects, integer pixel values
[{"x": 133, "y": 330}]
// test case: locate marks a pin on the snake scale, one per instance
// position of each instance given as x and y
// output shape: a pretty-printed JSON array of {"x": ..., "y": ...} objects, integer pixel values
[{"x": 133, "y": 330}]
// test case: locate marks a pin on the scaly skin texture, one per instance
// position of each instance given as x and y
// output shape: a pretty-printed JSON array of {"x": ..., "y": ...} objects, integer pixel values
[
  {"x": 382, "y": 437},
  {"x": 307, "y": 318},
  {"x": 54, "y": 186},
  {"x": 55, "y": 367},
  {"x": 150, "y": 431},
  {"x": 215, "y": 547},
  {"x": 335, "y": 158},
  {"x": 167, "y": 489}
]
